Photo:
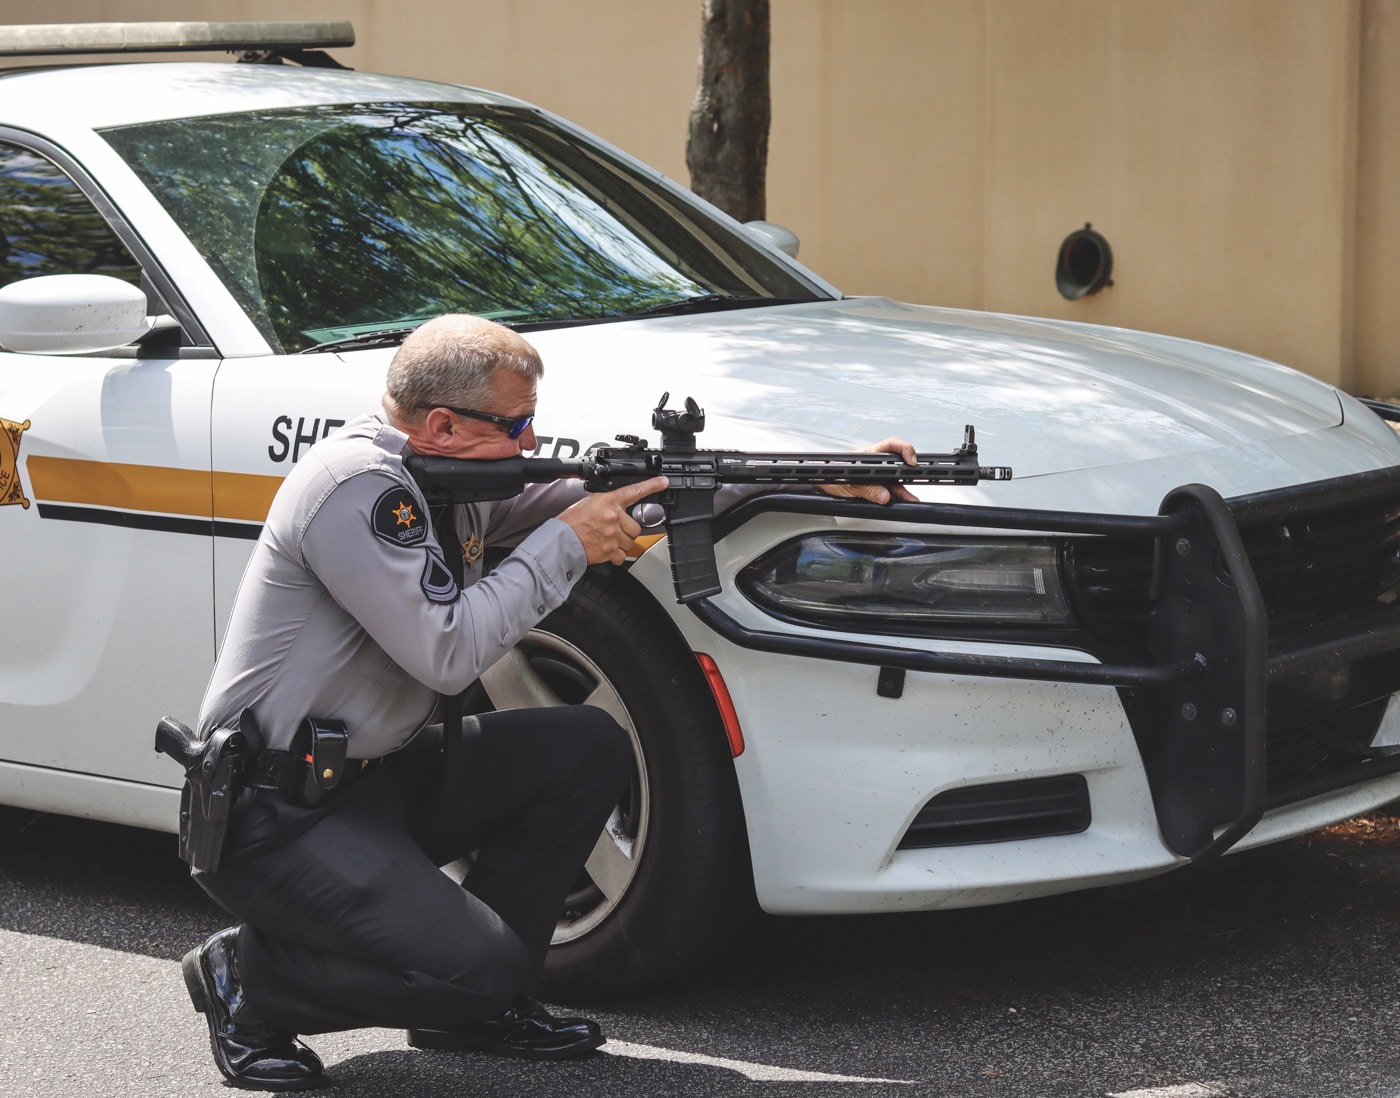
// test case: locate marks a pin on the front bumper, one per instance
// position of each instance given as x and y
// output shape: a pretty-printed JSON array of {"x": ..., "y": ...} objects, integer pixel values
[{"x": 1233, "y": 707}]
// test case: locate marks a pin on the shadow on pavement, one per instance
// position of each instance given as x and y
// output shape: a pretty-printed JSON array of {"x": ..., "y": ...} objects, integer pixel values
[
  {"x": 1277, "y": 966},
  {"x": 121, "y": 888}
]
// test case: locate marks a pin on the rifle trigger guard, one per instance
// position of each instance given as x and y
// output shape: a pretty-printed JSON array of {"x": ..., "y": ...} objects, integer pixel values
[{"x": 649, "y": 514}]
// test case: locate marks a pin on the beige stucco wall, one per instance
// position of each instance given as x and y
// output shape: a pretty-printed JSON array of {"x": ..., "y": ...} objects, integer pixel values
[
  {"x": 1241, "y": 156},
  {"x": 1211, "y": 146},
  {"x": 1376, "y": 291}
]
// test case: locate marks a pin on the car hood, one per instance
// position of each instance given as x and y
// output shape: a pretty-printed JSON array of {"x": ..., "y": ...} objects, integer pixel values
[{"x": 1045, "y": 396}]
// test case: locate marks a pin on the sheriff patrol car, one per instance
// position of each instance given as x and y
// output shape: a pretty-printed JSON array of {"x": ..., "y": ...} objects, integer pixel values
[{"x": 1175, "y": 633}]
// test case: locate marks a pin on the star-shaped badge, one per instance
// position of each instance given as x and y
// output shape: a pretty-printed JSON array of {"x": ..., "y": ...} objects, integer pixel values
[
  {"x": 472, "y": 549},
  {"x": 395, "y": 520}
]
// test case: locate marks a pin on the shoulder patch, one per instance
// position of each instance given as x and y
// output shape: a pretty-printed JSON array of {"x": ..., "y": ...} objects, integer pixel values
[
  {"x": 438, "y": 583},
  {"x": 396, "y": 518}
]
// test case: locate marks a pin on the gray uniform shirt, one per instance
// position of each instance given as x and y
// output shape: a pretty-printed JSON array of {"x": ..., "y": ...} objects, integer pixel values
[{"x": 347, "y": 609}]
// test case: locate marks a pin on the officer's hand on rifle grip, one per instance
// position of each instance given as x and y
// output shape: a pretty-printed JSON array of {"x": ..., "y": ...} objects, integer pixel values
[
  {"x": 879, "y": 493},
  {"x": 603, "y": 524}
]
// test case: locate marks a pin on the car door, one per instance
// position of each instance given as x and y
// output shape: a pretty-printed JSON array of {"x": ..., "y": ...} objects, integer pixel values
[
  {"x": 105, "y": 516},
  {"x": 268, "y": 412}
]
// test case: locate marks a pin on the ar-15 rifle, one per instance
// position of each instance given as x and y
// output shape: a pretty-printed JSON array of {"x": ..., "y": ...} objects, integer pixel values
[{"x": 695, "y": 475}]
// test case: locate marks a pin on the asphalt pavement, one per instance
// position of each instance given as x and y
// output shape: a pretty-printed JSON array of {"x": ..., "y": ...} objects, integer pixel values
[{"x": 1270, "y": 975}]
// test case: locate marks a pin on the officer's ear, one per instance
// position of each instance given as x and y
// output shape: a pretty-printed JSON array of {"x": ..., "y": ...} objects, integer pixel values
[
  {"x": 435, "y": 433},
  {"x": 440, "y": 425}
]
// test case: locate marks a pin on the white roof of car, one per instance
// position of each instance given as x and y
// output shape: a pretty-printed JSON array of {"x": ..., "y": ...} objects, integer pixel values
[{"x": 98, "y": 96}]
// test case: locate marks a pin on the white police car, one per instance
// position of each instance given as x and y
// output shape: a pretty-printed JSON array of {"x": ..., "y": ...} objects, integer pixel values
[{"x": 1176, "y": 632}]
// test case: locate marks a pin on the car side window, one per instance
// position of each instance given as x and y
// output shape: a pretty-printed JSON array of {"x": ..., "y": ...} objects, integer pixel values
[{"x": 48, "y": 225}]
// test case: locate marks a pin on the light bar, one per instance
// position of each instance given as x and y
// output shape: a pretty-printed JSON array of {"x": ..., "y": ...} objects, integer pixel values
[{"x": 59, "y": 38}]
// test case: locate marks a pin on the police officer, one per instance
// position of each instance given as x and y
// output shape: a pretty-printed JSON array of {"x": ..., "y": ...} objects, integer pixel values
[
  {"x": 349, "y": 624},
  {"x": 347, "y": 627}
]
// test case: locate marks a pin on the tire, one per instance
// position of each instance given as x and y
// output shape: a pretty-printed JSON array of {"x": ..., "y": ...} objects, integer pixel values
[{"x": 670, "y": 879}]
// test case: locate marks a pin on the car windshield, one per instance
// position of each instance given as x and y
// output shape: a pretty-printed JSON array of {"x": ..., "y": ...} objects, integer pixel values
[{"x": 339, "y": 224}]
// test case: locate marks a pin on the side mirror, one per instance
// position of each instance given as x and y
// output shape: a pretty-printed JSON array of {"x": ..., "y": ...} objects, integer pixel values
[
  {"x": 73, "y": 314},
  {"x": 775, "y": 235}
]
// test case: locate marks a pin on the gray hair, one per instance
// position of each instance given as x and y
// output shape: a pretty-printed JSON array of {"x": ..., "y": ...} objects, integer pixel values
[{"x": 451, "y": 360}]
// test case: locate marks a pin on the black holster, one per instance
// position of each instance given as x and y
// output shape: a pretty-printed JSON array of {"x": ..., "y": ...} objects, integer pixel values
[{"x": 214, "y": 771}]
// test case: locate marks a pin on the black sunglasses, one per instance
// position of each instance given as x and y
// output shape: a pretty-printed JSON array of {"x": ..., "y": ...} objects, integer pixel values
[{"x": 515, "y": 427}]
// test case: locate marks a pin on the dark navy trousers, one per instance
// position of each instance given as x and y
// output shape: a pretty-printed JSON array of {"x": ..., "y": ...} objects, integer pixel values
[{"x": 349, "y": 922}]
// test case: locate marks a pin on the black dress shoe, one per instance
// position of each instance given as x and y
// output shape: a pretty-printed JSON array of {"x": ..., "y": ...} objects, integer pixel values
[
  {"x": 253, "y": 1056},
  {"x": 526, "y": 1030}
]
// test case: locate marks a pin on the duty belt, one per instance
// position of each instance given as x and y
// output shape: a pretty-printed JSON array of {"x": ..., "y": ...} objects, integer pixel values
[{"x": 219, "y": 767}]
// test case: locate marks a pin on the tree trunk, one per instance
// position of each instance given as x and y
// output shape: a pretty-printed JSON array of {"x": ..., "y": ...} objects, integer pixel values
[{"x": 727, "y": 149}]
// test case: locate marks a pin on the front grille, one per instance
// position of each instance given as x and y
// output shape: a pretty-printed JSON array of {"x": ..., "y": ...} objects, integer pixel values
[
  {"x": 1316, "y": 567},
  {"x": 1002, "y": 812},
  {"x": 1109, "y": 582},
  {"x": 1309, "y": 757},
  {"x": 1321, "y": 570}
]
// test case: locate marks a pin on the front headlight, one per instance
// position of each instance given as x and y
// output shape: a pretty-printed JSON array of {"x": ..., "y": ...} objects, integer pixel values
[{"x": 910, "y": 581}]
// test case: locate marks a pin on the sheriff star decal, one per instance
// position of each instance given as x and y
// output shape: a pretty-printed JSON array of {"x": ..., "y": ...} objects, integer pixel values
[
  {"x": 11, "y": 491},
  {"x": 396, "y": 519}
]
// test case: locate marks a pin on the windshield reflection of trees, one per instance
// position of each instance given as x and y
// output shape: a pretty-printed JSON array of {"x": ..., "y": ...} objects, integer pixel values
[
  {"x": 330, "y": 221},
  {"x": 440, "y": 214}
]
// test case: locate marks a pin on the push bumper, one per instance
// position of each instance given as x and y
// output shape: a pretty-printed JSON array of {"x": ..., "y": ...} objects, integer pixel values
[{"x": 1218, "y": 644}]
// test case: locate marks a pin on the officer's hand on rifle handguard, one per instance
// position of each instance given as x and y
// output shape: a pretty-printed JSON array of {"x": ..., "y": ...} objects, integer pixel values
[{"x": 879, "y": 493}]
